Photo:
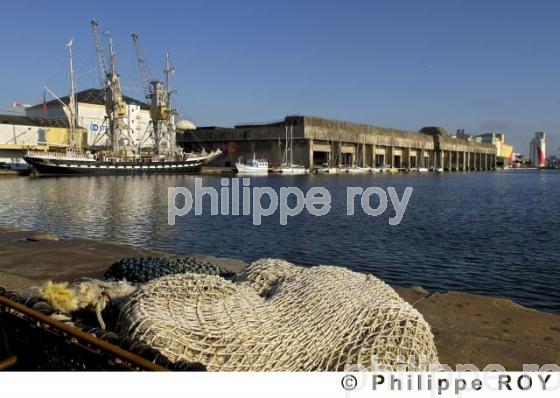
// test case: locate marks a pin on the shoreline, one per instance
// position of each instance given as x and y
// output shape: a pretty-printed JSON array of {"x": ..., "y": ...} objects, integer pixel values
[{"x": 468, "y": 328}]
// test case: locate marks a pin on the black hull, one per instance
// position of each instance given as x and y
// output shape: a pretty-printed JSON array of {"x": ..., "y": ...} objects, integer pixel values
[{"x": 80, "y": 168}]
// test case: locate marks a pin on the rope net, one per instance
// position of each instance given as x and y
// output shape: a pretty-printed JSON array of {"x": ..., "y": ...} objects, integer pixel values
[{"x": 278, "y": 317}]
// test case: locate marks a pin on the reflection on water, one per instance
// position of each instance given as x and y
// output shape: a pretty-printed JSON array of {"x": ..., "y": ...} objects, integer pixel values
[{"x": 490, "y": 233}]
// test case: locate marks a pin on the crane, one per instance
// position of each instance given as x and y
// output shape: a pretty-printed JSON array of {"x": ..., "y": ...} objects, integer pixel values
[
  {"x": 158, "y": 97},
  {"x": 145, "y": 74},
  {"x": 101, "y": 62},
  {"x": 115, "y": 106}
]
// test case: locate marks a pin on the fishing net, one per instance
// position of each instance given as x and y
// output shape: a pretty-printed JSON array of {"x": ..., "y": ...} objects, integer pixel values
[
  {"x": 144, "y": 269},
  {"x": 278, "y": 317}
]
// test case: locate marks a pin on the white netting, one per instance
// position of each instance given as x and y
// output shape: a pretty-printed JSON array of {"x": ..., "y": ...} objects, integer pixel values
[{"x": 278, "y": 317}]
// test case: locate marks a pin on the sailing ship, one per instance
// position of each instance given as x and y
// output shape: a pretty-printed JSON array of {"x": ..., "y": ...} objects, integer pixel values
[
  {"x": 288, "y": 166},
  {"x": 119, "y": 158}
]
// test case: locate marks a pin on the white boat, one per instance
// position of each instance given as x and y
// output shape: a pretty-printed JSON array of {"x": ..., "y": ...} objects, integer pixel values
[
  {"x": 357, "y": 170},
  {"x": 293, "y": 169},
  {"x": 375, "y": 169},
  {"x": 423, "y": 169},
  {"x": 328, "y": 170},
  {"x": 439, "y": 170},
  {"x": 254, "y": 167}
]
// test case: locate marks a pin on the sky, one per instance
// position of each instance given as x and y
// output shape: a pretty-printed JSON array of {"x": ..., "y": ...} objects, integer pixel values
[{"x": 478, "y": 65}]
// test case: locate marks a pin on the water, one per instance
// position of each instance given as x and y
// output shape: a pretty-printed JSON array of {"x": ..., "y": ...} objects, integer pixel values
[{"x": 490, "y": 233}]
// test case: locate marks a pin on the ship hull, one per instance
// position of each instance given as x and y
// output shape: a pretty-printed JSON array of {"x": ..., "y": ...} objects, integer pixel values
[{"x": 98, "y": 168}]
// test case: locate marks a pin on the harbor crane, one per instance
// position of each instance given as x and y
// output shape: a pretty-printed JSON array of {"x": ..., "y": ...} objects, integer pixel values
[
  {"x": 158, "y": 96},
  {"x": 115, "y": 105}
]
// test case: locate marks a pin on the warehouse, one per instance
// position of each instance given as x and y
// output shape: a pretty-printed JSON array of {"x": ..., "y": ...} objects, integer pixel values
[{"x": 19, "y": 134}]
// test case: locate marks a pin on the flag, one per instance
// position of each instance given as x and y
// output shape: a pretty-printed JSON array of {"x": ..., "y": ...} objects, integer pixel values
[
  {"x": 44, "y": 107},
  {"x": 69, "y": 44}
]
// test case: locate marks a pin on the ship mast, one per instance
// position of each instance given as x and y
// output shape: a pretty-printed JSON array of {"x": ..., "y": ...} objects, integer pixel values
[
  {"x": 171, "y": 133},
  {"x": 72, "y": 103}
]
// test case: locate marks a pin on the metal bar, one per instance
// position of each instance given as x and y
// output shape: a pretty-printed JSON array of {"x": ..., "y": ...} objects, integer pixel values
[
  {"x": 77, "y": 333},
  {"x": 8, "y": 362}
]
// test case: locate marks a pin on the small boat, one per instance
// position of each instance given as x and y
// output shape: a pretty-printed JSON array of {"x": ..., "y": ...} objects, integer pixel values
[
  {"x": 293, "y": 169},
  {"x": 439, "y": 170},
  {"x": 390, "y": 169},
  {"x": 423, "y": 169},
  {"x": 357, "y": 170},
  {"x": 289, "y": 167},
  {"x": 254, "y": 167},
  {"x": 375, "y": 170},
  {"x": 328, "y": 170},
  {"x": 14, "y": 169}
]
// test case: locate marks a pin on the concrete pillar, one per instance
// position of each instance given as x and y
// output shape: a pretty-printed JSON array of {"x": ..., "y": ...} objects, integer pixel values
[
  {"x": 452, "y": 160},
  {"x": 310, "y": 158},
  {"x": 408, "y": 154}
]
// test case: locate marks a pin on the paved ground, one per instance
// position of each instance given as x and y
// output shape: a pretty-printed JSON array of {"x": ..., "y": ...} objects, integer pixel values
[{"x": 467, "y": 328}]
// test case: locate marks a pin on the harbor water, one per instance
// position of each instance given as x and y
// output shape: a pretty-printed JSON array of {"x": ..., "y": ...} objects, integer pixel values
[{"x": 493, "y": 233}]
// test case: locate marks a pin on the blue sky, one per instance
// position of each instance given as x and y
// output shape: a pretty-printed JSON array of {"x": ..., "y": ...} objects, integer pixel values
[{"x": 478, "y": 65}]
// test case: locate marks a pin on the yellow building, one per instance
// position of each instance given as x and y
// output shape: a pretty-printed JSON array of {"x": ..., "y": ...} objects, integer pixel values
[
  {"x": 19, "y": 134},
  {"x": 504, "y": 152}
]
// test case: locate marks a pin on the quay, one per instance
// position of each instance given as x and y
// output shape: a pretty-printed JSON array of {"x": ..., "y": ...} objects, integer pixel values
[
  {"x": 317, "y": 141},
  {"x": 467, "y": 328}
]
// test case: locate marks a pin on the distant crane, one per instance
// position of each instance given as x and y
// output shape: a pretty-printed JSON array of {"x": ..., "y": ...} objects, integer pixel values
[
  {"x": 115, "y": 105},
  {"x": 158, "y": 96}
]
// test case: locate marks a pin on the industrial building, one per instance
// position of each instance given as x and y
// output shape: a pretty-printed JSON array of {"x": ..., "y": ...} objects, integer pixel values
[
  {"x": 318, "y": 141},
  {"x": 19, "y": 134},
  {"x": 537, "y": 150},
  {"x": 504, "y": 152}
]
